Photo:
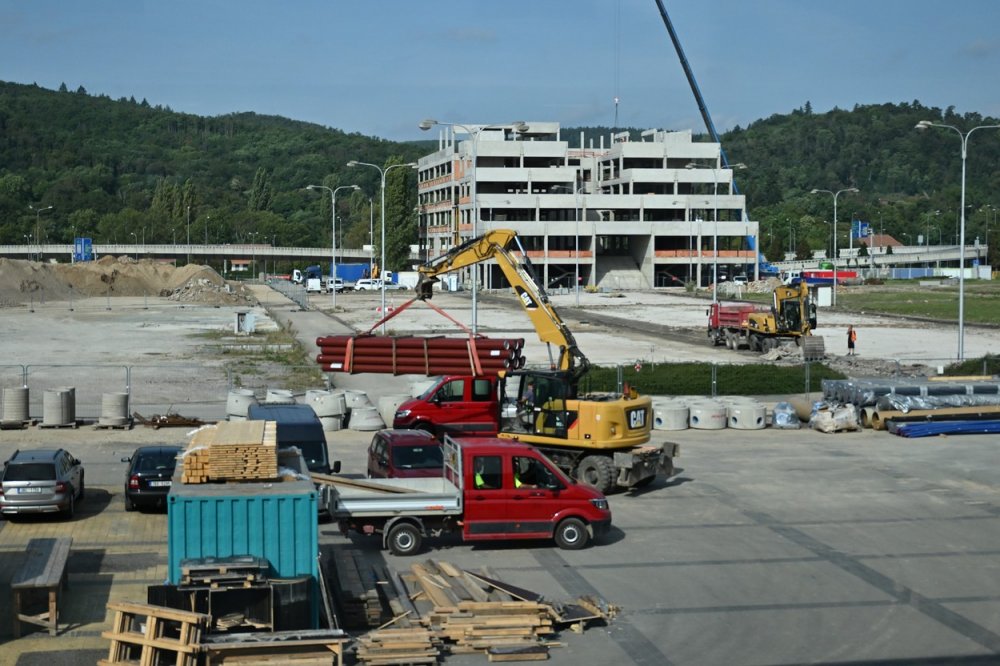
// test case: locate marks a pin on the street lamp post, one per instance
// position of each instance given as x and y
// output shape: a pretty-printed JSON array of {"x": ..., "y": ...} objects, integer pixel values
[
  {"x": 923, "y": 125},
  {"x": 253, "y": 253},
  {"x": 371, "y": 236},
  {"x": 715, "y": 223},
  {"x": 835, "y": 195},
  {"x": 38, "y": 215},
  {"x": 382, "y": 172},
  {"x": 518, "y": 126},
  {"x": 135, "y": 239},
  {"x": 333, "y": 233}
]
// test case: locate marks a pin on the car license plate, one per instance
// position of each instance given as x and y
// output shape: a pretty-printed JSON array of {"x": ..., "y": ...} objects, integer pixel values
[
  {"x": 158, "y": 484},
  {"x": 22, "y": 491}
]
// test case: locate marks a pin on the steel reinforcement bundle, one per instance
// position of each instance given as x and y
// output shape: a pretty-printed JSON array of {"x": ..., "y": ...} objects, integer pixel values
[{"x": 419, "y": 355}]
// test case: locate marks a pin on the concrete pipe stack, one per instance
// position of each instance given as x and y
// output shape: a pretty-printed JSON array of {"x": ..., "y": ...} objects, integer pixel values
[
  {"x": 419, "y": 355},
  {"x": 388, "y": 404},
  {"x": 279, "y": 397},
  {"x": 15, "y": 404},
  {"x": 59, "y": 406},
  {"x": 238, "y": 404},
  {"x": 706, "y": 414},
  {"x": 670, "y": 414},
  {"x": 746, "y": 414},
  {"x": 330, "y": 407},
  {"x": 114, "y": 410}
]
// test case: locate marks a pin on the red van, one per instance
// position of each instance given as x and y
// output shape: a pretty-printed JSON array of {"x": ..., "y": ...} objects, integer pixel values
[
  {"x": 457, "y": 405},
  {"x": 404, "y": 454}
]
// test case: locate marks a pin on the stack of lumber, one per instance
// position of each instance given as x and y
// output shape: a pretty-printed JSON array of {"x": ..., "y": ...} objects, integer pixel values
[
  {"x": 419, "y": 355},
  {"x": 463, "y": 612},
  {"x": 232, "y": 451},
  {"x": 355, "y": 589},
  {"x": 398, "y": 646}
]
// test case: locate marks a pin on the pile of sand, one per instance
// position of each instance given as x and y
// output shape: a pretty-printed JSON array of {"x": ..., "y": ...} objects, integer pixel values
[{"x": 115, "y": 276}]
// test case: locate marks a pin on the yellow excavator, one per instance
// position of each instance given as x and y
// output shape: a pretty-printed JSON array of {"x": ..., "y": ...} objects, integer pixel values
[{"x": 599, "y": 439}]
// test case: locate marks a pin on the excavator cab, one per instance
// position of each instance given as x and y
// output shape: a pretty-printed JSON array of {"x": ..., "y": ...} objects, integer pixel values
[{"x": 539, "y": 402}]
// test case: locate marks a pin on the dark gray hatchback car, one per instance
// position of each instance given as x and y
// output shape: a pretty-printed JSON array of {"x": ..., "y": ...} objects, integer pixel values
[{"x": 41, "y": 481}]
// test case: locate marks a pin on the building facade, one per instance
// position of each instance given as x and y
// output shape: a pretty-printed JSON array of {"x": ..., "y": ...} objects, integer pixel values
[{"x": 656, "y": 212}]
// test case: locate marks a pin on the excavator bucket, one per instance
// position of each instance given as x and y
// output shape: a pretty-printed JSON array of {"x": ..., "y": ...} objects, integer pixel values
[
  {"x": 425, "y": 287},
  {"x": 813, "y": 348}
]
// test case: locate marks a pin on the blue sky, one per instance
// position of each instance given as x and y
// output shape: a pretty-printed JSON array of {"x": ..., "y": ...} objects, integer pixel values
[{"x": 377, "y": 67}]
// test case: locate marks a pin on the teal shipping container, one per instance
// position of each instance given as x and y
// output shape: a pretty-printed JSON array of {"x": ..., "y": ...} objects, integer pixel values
[{"x": 273, "y": 520}]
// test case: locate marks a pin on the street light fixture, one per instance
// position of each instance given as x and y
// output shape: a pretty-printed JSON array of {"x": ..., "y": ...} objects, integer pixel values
[
  {"x": 135, "y": 239},
  {"x": 923, "y": 125},
  {"x": 518, "y": 126},
  {"x": 835, "y": 196},
  {"x": 382, "y": 172},
  {"x": 333, "y": 233}
]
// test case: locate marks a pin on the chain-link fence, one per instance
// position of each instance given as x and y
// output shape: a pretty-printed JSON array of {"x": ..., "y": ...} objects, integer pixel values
[{"x": 155, "y": 389}]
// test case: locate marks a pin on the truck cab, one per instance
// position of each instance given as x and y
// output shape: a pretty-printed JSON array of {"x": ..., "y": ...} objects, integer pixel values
[
  {"x": 512, "y": 491},
  {"x": 454, "y": 404}
]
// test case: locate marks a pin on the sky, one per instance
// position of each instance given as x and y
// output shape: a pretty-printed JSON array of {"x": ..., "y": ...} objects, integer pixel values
[{"x": 378, "y": 67}]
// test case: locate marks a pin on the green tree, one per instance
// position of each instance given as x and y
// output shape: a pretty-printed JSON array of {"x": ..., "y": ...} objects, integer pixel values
[
  {"x": 261, "y": 194},
  {"x": 400, "y": 217},
  {"x": 802, "y": 250}
]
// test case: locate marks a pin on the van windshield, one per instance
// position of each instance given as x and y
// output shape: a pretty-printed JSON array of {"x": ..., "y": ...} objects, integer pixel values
[{"x": 314, "y": 453}]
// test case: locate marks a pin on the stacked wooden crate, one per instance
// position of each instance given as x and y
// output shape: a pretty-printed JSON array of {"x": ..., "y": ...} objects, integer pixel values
[
  {"x": 232, "y": 451},
  {"x": 398, "y": 646}
]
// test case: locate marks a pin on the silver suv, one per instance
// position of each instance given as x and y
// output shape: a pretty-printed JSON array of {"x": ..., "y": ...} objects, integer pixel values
[{"x": 41, "y": 481}]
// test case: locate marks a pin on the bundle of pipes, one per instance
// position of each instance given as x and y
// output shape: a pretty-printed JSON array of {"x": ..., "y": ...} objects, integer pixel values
[{"x": 419, "y": 355}]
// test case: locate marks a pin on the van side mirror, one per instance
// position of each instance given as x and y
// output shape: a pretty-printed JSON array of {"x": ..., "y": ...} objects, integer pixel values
[{"x": 336, "y": 467}]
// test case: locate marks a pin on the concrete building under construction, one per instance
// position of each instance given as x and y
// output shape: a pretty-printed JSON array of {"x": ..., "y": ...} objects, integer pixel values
[{"x": 622, "y": 214}]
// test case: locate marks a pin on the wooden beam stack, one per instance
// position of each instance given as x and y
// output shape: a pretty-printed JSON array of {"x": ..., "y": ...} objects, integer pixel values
[
  {"x": 232, "y": 451},
  {"x": 461, "y": 611}
]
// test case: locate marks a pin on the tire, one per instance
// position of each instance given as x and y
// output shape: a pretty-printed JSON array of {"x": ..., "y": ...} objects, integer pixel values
[
  {"x": 754, "y": 343},
  {"x": 404, "y": 539},
  {"x": 571, "y": 534},
  {"x": 83, "y": 489},
  {"x": 71, "y": 509},
  {"x": 129, "y": 504},
  {"x": 596, "y": 472}
]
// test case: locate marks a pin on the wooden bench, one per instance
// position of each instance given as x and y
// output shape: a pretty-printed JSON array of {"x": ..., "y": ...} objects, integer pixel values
[{"x": 44, "y": 569}]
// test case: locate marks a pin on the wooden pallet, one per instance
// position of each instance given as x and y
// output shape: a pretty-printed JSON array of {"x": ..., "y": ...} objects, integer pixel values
[{"x": 152, "y": 635}]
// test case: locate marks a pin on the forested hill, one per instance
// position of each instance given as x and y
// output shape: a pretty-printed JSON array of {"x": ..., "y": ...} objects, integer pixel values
[{"x": 111, "y": 168}]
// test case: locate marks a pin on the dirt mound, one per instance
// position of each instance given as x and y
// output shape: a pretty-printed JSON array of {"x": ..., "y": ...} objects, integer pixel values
[{"x": 115, "y": 276}]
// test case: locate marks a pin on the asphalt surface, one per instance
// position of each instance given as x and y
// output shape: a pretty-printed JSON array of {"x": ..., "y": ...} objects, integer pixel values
[{"x": 770, "y": 547}]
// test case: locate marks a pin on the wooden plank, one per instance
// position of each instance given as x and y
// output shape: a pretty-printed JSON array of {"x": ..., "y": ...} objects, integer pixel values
[{"x": 333, "y": 480}]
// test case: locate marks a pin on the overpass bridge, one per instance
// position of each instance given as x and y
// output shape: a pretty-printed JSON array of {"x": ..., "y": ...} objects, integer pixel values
[
  {"x": 242, "y": 253},
  {"x": 903, "y": 256}
]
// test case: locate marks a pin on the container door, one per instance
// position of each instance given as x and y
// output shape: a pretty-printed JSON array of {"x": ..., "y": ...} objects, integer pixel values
[{"x": 486, "y": 499}]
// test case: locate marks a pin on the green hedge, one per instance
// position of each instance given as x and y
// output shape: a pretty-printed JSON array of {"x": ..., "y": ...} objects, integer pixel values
[
  {"x": 696, "y": 379},
  {"x": 985, "y": 365}
]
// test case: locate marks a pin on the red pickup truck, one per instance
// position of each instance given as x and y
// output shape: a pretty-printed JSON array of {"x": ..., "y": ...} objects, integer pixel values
[{"x": 490, "y": 490}]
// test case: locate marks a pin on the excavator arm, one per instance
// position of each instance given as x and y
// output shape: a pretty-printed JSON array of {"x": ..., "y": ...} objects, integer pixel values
[{"x": 497, "y": 245}]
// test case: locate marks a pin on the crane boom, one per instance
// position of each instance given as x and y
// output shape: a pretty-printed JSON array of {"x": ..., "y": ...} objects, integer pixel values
[{"x": 498, "y": 245}]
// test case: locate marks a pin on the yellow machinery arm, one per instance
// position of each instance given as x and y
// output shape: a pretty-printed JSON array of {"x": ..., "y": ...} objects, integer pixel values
[{"x": 497, "y": 245}]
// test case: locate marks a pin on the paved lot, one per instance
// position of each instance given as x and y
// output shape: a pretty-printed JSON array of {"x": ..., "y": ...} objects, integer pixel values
[{"x": 770, "y": 547}]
